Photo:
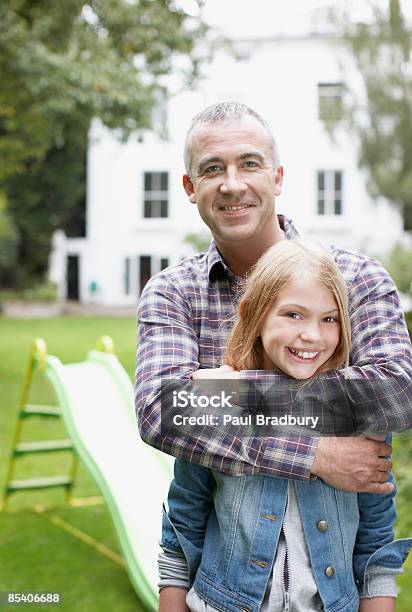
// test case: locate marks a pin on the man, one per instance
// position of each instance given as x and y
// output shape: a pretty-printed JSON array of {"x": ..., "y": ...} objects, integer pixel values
[{"x": 233, "y": 176}]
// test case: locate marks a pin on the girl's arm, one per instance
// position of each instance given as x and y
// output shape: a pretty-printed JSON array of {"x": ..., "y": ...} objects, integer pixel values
[
  {"x": 173, "y": 599},
  {"x": 190, "y": 501},
  {"x": 377, "y": 604},
  {"x": 377, "y": 558}
]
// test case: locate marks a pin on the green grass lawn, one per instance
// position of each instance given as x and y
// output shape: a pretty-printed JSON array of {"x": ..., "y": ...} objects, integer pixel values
[{"x": 35, "y": 553}]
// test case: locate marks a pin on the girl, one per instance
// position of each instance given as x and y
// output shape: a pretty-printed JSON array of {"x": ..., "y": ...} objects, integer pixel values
[{"x": 263, "y": 543}]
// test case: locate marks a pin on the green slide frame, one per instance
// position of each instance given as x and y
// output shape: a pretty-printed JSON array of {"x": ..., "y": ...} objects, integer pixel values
[{"x": 96, "y": 400}]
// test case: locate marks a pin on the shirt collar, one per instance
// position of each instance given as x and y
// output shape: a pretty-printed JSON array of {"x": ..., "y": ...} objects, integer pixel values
[{"x": 216, "y": 266}]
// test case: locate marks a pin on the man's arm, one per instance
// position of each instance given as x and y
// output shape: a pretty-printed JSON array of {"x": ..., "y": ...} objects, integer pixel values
[{"x": 168, "y": 348}]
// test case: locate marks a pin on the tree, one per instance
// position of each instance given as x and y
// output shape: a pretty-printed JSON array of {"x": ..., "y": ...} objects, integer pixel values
[
  {"x": 399, "y": 263},
  {"x": 63, "y": 63},
  {"x": 50, "y": 195},
  {"x": 8, "y": 241},
  {"x": 200, "y": 241},
  {"x": 382, "y": 119}
]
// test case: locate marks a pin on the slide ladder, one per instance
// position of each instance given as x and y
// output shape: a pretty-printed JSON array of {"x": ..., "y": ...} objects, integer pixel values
[
  {"x": 37, "y": 359},
  {"x": 95, "y": 400}
]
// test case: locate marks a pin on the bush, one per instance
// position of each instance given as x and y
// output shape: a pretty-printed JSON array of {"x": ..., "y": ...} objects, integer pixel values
[
  {"x": 399, "y": 264},
  {"x": 408, "y": 317},
  {"x": 43, "y": 292},
  {"x": 8, "y": 239}
]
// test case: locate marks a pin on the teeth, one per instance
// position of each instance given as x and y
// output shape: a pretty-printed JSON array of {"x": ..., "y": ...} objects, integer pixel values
[
  {"x": 304, "y": 354},
  {"x": 235, "y": 207}
]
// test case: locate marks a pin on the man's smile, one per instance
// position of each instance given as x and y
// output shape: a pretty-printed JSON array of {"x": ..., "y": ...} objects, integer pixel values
[
  {"x": 235, "y": 207},
  {"x": 238, "y": 207}
]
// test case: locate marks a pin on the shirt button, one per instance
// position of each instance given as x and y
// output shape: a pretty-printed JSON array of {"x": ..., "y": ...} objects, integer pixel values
[
  {"x": 322, "y": 525},
  {"x": 330, "y": 571}
]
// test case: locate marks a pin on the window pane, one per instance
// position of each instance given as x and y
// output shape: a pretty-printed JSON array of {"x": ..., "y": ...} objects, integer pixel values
[
  {"x": 145, "y": 271},
  {"x": 164, "y": 262},
  {"x": 147, "y": 209},
  {"x": 156, "y": 181},
  {"x": 338, "y": 207},
  {"x": 321, "y": 207},
  {"x": 330, "y": 108},
  {"x": 330, "y": 100},
  {"x": 329, "y": 192},
  {"x": 164, "y": 181},
  {"x": 158, "y": 209},
  {"x": 156, "y": 195},
  {"x": 338, "y": 181}
]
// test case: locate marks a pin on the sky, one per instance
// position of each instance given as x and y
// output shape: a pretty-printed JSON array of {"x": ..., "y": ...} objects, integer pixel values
[
  {"x": 243, "y": 18},
  {"x": 240, "y": 18}
]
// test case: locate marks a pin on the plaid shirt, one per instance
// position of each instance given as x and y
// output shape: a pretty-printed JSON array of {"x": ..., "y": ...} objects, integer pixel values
[{"x": 184, "y": 315}]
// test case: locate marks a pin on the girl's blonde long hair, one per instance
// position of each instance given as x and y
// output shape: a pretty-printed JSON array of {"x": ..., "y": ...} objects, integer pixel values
[{"x": 287, "y": 260}]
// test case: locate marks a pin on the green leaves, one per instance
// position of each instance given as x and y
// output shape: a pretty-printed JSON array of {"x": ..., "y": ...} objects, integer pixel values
[
  {"x": 61, "y": 65},
  {"x": 400, "y": 267},
  {"x": 382, "y": 117},
  {"x": 71, "y": 60}
]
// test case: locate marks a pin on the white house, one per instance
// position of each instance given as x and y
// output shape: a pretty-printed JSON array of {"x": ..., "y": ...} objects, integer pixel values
[{"x": 138, "y": 214}]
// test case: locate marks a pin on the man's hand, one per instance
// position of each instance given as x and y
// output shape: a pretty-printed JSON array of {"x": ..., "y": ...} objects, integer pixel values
[
  {"x": 360, "y": 464},
  {"x": 225, "y": 371}
]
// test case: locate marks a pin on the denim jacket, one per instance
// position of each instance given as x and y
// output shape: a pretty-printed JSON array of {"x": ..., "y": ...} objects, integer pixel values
[{"x": 228, "y": 529}]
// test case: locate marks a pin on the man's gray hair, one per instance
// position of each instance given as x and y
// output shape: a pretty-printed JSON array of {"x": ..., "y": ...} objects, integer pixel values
[{"x": 225, "y": 112}]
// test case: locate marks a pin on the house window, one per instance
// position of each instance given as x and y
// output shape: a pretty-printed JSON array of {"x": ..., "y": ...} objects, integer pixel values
[
  {"x": 164, "y": 262},
  {"x": 145, "y": 270},
  {"x": 156, "y": 195},
  {"x": 329, "y": 192},
  {"x": 149, "y": 265},
  {"x": 330, "y": 101}
]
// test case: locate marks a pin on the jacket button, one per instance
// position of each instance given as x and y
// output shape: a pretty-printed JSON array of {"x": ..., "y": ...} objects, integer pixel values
[
  {"x": 330, "y": 571},
  {"x": 270, "y": 517},
  {"x": 322, "y": 525}
]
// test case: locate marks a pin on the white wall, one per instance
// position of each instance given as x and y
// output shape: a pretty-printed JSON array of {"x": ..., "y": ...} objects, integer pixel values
[{"x": 279, "y": 81}]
